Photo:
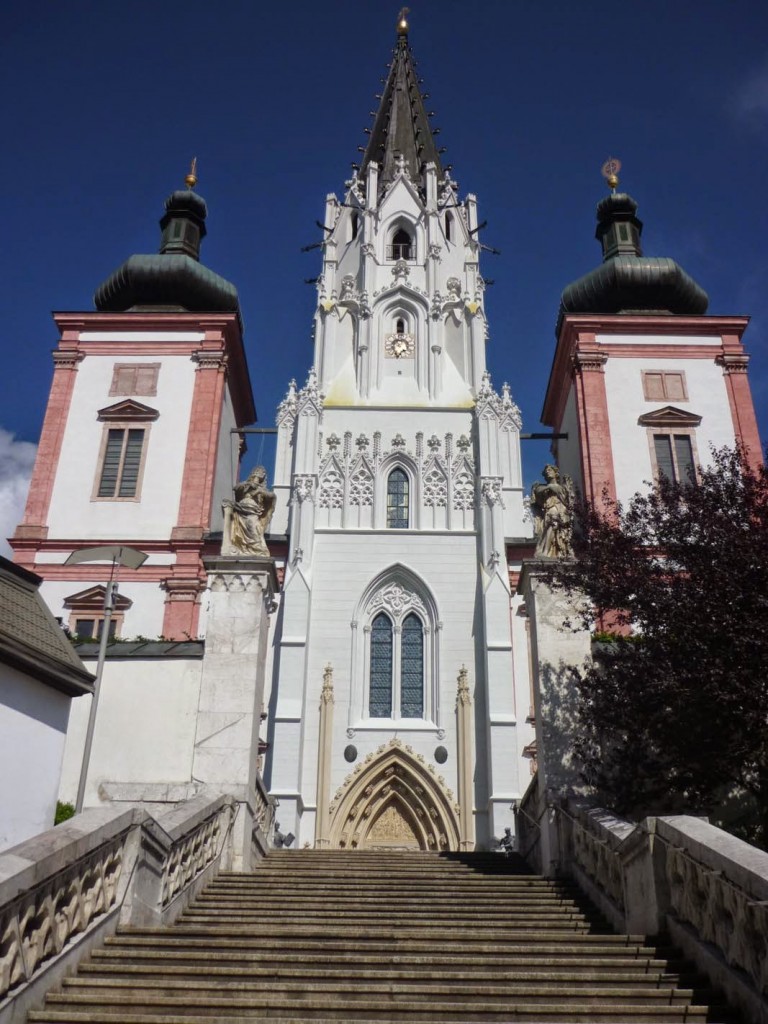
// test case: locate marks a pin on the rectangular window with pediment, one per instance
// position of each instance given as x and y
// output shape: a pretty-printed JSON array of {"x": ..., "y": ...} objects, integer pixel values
[
  {"x": 672, "y": 443},
  {"x": 123, "y": 451}
]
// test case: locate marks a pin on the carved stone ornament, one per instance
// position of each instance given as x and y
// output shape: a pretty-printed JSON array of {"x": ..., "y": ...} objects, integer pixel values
[
  {"x": 501, "y": 407},
  {"x": 286, "y": 411},
  {"x": 331, "y": 490},
  {"x": 490, "y": 487},
  {"x": 247, "y": 518},
  {"x": 552, "y": 507},
  {"x": 303, "y": 488},
  {"x": 398, "y": 602},
  {"x": 401, "y": 271}
]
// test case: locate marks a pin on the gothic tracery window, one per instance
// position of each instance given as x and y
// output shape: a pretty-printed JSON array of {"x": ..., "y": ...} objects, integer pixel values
[
  {"x": 397, "y": 500},
  {"x": 396, "y": 688}
]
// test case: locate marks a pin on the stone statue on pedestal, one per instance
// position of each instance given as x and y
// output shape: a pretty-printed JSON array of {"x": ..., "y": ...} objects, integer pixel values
[
  {"x": 247, "y": 518},
  {"x": 552, "y": 507}
]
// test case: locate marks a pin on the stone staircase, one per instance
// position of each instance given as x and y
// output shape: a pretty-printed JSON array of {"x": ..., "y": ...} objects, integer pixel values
[{"x": 379, "y": 936}]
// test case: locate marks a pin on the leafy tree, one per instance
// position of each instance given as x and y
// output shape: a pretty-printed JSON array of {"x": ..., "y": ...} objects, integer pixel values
[{"x": 673, "y": 714}]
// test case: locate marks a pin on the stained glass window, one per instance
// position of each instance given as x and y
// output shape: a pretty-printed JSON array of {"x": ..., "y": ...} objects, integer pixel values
[
  {"x": 397, "y": 500},
  {"x": 412, "y": 668},
  {"x": 380, "y": 704}
]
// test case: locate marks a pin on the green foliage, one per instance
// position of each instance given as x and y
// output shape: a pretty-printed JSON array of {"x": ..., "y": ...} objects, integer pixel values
[
  {"x": 677, "y": 718},
  {"x": 63, "y": 812}
]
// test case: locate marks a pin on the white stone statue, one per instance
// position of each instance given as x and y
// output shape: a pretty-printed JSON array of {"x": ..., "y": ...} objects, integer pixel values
[
  {"x": 247, "y": 518},
  {"x": 552, "y": 507}
]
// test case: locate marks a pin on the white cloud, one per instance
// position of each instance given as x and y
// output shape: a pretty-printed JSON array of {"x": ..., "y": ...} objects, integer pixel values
[
  {"x": 751, "y": 97},
  {"x": 16, "y": 461}
]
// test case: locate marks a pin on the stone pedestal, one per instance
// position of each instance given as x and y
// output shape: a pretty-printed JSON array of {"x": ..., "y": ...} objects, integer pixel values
[
  {"x": 555, "y": 651},
  {"x": 225, "y": 758}
]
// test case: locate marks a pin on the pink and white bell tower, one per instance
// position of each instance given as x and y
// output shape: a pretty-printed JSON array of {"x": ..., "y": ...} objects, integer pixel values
[
  {"x": 643, "y": 383},
  {"x": 137, "y": 446}
]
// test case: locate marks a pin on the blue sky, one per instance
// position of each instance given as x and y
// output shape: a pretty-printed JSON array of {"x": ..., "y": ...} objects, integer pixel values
[{"x": 106, "y": 102}]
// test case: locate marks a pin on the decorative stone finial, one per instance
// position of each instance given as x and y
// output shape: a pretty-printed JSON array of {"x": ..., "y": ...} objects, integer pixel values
[
  {"x": 462, "y": 690},
  {"x": 191, "y": 179},
  {"x": 610, "y": 171},
  {"x": 402, "y": 22},
  {"x": 326, "y": 694}
]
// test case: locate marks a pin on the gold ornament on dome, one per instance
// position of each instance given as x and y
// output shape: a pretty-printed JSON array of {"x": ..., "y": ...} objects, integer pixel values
[
  {"x": 191, "y": 179},
  {"x": 610, "y": 171}
]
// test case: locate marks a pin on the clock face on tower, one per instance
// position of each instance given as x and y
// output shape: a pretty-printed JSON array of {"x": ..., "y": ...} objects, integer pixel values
[{"x": 399, "y": 346}]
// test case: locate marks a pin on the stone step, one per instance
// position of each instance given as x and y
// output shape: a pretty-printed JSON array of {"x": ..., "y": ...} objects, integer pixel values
[
  {"x": 534, "y": 1015},
  {"x": 383, "y": 938},
  {"x": 586, "y": 975},
  {"x": 400, "y": 901},
  {"x": 136, "y": 989},
  {"x": 243, "y": 938},
  {"x": 493, "y": 962},
  {"x": 216, "y": 1006},
  {"x": 435, "y": 917}
]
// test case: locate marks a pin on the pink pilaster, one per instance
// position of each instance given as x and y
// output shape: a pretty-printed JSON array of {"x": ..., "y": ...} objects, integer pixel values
[
  {"x": 34, "y": 526},
  {"x": 594, "y": 425}
]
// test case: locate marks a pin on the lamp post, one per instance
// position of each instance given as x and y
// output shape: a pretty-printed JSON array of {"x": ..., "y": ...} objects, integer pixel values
[{"x": 118, "y": 555}]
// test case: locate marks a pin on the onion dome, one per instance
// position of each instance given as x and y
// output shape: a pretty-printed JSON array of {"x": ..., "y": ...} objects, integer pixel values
[
  {"x": 627, "y": 281},
  {"x": 174, "y": 278}
]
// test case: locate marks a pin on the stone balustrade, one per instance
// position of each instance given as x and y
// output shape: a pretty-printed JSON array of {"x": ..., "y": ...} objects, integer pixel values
[
  {"x": 63, "y": 891},
  {"x": 683, "y": 876}
]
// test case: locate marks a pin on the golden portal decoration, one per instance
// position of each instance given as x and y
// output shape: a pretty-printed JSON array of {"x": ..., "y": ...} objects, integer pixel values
[{"x": 394, "y": 799}]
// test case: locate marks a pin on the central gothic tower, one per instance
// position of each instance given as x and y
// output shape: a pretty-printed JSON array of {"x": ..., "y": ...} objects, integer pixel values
[{"x": 400, "y": 675}]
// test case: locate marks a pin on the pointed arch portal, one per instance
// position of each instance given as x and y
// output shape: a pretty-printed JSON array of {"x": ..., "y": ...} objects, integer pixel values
[{"x": 394, "y": 801}]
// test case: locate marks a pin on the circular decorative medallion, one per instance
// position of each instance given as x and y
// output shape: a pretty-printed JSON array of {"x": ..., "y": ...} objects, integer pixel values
[
  {"x": 350, "y": 753},
  {"x": 399, "y": 346},
  {"x": 441, "y": 755}
]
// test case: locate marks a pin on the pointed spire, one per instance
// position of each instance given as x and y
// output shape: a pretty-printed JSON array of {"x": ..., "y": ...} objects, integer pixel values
[{"x": 401, "y": 130}]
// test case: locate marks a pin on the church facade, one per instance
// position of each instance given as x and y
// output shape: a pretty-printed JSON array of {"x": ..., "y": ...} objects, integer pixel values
[{"x": 395, "y": 681}]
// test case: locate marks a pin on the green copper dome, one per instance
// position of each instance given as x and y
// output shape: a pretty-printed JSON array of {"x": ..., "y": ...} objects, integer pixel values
[
  {"x": 174, "y": 278},
  {"x": 627, "y": 281}
]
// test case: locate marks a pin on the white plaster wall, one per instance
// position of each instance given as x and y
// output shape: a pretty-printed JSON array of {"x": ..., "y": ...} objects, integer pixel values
[
  {"x": 344, "y": 565},
  {"x": 33, "y": 724},
  {"x": 73, "y": 512},
  {"x": 569, "y": 451},
  {"x": 145, "y": 727},
  {"x": 143, "y": 618},
  {"x": 707, "y": 397}
]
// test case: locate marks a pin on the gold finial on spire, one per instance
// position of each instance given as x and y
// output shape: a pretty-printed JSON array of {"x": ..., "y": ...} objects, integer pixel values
[
  {"x": 191, "y": 179},
  {"x": 610, "y": 171},
  {"x": 402, "y": 21}
]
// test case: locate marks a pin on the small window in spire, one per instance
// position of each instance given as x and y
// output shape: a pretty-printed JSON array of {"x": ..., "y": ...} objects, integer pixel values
[
  {"x": 355, "y": 225},
  {"x": 400, "y": 326},
  {"x": 448, "y": 227}
]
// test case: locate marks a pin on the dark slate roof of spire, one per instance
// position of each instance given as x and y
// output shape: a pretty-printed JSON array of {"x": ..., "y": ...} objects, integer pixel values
[
  {"x": 174, "y": 278},
  {"x": 401, "y": 125},
  {"x": 626, "y": 281}
]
